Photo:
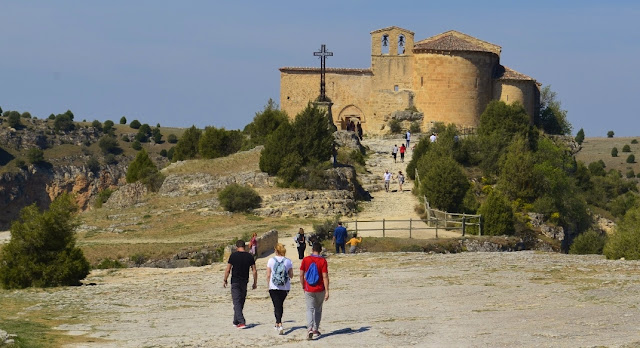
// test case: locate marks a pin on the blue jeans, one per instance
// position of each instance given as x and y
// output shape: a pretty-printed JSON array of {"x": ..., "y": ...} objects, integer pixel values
[{"x": 340, "y": 246}]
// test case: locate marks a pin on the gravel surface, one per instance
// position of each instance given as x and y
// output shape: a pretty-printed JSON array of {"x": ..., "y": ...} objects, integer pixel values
[{"x": 519, "y": 299}]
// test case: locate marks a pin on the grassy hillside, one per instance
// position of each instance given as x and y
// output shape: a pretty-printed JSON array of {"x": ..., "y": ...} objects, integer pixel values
[{"x": 594, "y": 149}]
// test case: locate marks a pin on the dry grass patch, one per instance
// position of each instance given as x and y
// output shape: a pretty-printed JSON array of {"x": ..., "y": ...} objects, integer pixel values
[
  {"x": 245, "y": 161},
  {"x": 34, "y": 324}
]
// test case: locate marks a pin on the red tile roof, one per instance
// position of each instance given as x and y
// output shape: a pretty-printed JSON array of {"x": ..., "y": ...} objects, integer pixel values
[{"x": 504, "y": 73}]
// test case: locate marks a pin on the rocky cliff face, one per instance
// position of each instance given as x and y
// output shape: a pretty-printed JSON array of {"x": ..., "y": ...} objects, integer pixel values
[{"x": 42, "y": 184}]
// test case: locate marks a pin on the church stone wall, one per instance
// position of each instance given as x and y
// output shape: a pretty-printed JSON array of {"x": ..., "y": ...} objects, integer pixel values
[
  {"x": 453, "y": 87},
  {"x": 297, "y": 89},
  {"x": 523, "y": 91}
]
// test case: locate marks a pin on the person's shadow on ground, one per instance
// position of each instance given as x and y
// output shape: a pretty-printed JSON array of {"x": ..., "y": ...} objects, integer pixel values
[
  {"x": 345, "y": 331},
  {"x": 294, "y": 328}
]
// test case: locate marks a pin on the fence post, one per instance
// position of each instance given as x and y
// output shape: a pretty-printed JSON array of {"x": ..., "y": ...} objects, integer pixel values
[
  {"x": 409, "y": 228},
  {"x": 463, "y": 225},
  {"x": 356, "y": 226},
  {"x": 382, "y": 228},
  {"x": 445, "y": 220},
  {"x": 480, "y": 225},
  {"x": 437, "y": 228}
]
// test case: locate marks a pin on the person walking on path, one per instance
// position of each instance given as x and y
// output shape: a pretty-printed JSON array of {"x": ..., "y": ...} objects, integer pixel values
[
  {"x": 279, "y": 274},
  {"x": 239, "y": 264},
  {"x": 400, "y": 180},
  {"x": 253, "y": 245},
  {"x": 402, "y": 151},
  {"x": 387, "y": 179},
  {"x": 316, "y": 288},
  {"x": 394, "y": 152},
  {"x": 354, "y": 242},
  {"x": 301, "y": 242},
  {"x": 408, "y": 138},
  {"x": 340, "y": 238}
]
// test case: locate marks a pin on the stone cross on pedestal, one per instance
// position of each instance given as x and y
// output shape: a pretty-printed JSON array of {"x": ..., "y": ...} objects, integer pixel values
[{"x": 323, "y": 54}]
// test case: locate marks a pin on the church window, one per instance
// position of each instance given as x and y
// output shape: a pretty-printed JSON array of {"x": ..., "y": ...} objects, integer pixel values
[
  {"x": 395, "y": 88},
  {"x": 421, "y": 81},
  {"x": 385, "y": 44}
]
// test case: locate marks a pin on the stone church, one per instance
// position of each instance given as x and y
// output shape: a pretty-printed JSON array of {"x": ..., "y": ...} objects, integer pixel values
[{"x": 450, "y": 78}]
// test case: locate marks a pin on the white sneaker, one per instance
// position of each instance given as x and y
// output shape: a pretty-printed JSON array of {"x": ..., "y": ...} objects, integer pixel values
[{"x": 281, "y": 330}]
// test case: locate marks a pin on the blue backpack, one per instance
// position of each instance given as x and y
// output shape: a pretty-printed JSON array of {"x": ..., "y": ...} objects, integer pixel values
[
  {"x": 280, "y": 276},
  {"x": 311, "y": 275}
]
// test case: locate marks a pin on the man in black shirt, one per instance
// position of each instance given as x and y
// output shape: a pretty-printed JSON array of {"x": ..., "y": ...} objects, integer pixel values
[{"x": 239, "y": 263}]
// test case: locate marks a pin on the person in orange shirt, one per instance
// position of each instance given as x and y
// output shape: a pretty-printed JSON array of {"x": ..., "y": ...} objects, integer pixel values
[{"x": 354, "y": 242}]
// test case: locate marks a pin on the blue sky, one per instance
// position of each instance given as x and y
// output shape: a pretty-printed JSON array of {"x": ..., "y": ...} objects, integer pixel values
[{"x": 216, "y": 63}]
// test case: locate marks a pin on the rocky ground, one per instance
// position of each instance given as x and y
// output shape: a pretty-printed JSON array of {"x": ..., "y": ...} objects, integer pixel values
[{"x": 519, "y": 299}]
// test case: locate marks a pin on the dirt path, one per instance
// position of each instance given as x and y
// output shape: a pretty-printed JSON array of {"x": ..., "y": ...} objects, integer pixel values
[
  {"x": 392, "y": 205},
  {"x": 523, "y": 299}
]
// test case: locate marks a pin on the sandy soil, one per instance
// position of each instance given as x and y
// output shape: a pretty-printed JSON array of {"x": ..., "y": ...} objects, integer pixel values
[{"x": 523, "y": 299}]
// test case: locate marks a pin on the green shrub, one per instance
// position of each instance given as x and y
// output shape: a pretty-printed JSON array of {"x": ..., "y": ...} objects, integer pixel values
[
  {"x": 136, "y": 145},
  {"x": 97, "y": 125},
  {"x": 63, "y": 122},
  {"x": 108, "y": 264},
  {"x": 141, "y": 167},
  {"x": 597, "y": 168},
  {"x": 264, "y": 123},
  {"x": 610, "y": 134},
  {"x": 42, "y": 251},
  {"x": 415, "y": 128},
  {"x": 163, "y": 152},
  {"x": 626, "y": 148},
  {"x": 138, "y": 259},
  {"x": 589, "y": 242},
  {"x": 394, "y": 126},
  {"x": 135, "y": 124},
  {"x": 103, "y": 197},
  {"x": 172, "y": 138},
  {"x": 239, "y": 198},
  {"x": 625, "y": 241},
  {"x": 497, "y": 215},
  {"x": 14, "y": 119},
  {"x": 26, "y": 114},
  {"x": 631, "y": 159},
  {"x": 125, "y": 138},
  {"x": 35, "y": 155},
  {"x": 631, "y": 174},
  {"x": 580, "y": 136},
  {"x": 634, "y": 141},
  {"x": 187, "y": 147},
  {"x": 93, "y": 165},
  {"x": 614, "y": 152},
  {"x": 443, "y": 182},
  {"x": 110, "y": 159},
  {"x": 324, "y": 230},
  {"x": 123, "y": 120},
  {"x": 109, "y": 144}
]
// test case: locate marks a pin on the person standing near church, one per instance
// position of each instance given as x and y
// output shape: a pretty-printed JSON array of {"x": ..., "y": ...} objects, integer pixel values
[
  {"x": 394, "y": 152},
  {"x": 340, "y": 238},
  {"x": 402, "y": 151},
  {"x": 407, "y": 136},
  {"x": 238, "y": 265}
]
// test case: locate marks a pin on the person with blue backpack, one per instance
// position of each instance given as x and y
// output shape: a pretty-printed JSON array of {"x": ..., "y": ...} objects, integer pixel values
[
  {"x": 314, "y": 277},
  {"x": 279, "y": 273}
]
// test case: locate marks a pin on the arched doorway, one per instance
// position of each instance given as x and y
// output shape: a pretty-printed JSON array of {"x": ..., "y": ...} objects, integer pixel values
[{"x": 350, "y": 113}]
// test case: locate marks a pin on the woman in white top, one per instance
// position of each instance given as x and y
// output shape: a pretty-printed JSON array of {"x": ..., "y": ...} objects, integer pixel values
[{"x": 279, "y": 270}]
